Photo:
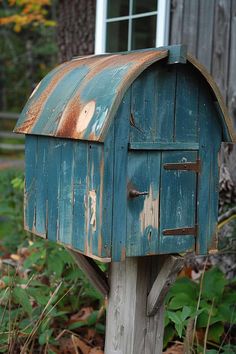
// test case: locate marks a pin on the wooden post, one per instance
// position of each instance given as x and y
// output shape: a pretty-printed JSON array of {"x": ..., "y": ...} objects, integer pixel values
[{"x": 129, "y": 328}]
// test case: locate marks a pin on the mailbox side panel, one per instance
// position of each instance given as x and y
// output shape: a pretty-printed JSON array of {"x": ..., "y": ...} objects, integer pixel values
[
  {"x": 65, "y": 193},
  {"x": 208, "y": 188}
]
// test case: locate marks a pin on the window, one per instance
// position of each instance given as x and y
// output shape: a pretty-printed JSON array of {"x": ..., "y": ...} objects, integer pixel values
[{"x": 131, "y": 24}]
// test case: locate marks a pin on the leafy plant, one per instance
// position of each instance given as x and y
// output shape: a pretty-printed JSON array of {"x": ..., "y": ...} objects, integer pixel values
[{"x": 208, "y": 306}]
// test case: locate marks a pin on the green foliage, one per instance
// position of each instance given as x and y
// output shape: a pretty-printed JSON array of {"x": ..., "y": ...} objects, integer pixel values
[
  {"x": 209, "y": 305},
  {"x": 41, "y": 287},
  {"x": 24, "y": 60},
  {"x": 11, "y": 216}
]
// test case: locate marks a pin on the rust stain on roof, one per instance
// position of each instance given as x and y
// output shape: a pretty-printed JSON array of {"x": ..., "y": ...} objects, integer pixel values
[
  {"x": 79, "y": 98},
  {"x": 77, "y": 119}
]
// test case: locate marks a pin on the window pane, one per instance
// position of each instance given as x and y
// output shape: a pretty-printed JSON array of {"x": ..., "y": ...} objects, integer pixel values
[
  {"x": 140, "y": 6},
  {"x": 144, "y": 32},
  {"x": 117, "y": 8},
  {"x": 117, "y": 36}
]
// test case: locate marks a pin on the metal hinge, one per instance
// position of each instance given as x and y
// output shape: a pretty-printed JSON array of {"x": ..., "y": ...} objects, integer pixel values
[
  {"x": 186, "y": 166},
  {"x": 182, "y": 231}
]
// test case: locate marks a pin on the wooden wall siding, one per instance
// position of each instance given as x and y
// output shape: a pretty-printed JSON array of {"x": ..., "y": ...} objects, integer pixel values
[
  {"x": 208, "y": 183},
  {"x": 64, "y": 192},
  {"x": 208, "y": 27},
  {"x": 232, "y": 61}
]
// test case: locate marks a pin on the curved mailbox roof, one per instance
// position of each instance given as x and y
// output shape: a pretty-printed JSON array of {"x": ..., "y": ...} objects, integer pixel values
[{"x": 79, "y": 98}]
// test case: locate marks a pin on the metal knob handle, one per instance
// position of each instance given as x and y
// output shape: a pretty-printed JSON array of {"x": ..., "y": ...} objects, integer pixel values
[{"x": 134, "y": 194}]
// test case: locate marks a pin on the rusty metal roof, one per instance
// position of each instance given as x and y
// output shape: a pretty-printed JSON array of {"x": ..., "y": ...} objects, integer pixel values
[{"x": 79, "y": 98}]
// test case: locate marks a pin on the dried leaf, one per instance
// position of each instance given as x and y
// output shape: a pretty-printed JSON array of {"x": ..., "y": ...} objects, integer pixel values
[
  {"x": 90, "y": 335},
  {"x": 23, "y": 252},
  {"x": 177, "y": 348},
  {"x": 82, "y": 315},
  {"x": 96, "y": 350},
  {"x": 83, "y": 347},
  {"x": 15, "y": 257},
  {"x": 2, "y": 284}
]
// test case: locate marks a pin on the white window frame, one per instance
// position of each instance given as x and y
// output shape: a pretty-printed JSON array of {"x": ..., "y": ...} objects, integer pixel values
[{"x": 162, "y": 31}]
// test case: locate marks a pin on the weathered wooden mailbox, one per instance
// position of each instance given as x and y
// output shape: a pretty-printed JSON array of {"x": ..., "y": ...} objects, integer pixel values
[
  {"x": 121, "y": 154},
  {"x": 122, "y": 161}
]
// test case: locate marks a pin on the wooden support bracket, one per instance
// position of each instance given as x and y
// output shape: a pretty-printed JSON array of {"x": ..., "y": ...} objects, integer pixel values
[
  {"x": 160, "y": 287},
  {"x": 92, "y": 271}
]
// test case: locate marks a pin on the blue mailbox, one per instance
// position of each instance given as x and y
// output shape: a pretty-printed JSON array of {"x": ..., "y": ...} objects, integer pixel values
[{"x": 121, "y": 154}]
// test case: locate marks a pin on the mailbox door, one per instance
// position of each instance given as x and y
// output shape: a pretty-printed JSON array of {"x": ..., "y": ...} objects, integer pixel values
[
  {"x": 178, "y": 203},
  {"x": 162, "y": 200}
]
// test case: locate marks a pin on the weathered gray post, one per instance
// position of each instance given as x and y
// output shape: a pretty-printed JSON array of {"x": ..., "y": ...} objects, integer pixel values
[{"x": 135, "y": 314}]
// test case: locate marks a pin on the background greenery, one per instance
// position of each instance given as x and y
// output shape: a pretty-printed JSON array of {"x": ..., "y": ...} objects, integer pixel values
[{"x": 27, "y": 53}]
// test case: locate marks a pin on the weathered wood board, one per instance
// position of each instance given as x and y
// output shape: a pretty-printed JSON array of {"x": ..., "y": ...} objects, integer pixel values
[{"x": 130, "y": 328}]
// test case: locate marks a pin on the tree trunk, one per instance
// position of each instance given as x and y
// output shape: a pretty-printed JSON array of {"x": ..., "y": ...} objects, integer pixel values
[{"x": 76, "y": 28}]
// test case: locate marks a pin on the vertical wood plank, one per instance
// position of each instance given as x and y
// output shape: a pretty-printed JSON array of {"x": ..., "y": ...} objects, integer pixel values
[
  {"x": 54, "y": 171},
  {"x": 153, "y": 104},
  {"x": 141, "y": 320},
  {"x": 129, "y": 329},
  {"x": 231, "y": 99},
  {"x": 144, "y": 106},
  {"x": 151, "y": 241},
  {"x": 80, "y": 201},
  {"x": 178, "y": 202},
  {"x": 138, "y": 179},
  {"x": 165, "y": 92},
  {"x": 203, "y": 185},
  {"x": 41, "y": 202},
  {"x": 210, "y": 130},
  {"x": 176, "y": 23},
  {"x": 31, "y": 143},
  {"x": 205, "y": 32},
  {"x": 95, "y": 194},
  {"x": 186, "y": 112},
  {"x": 143, "y": 212},
  {"x": 107, "y": 207},
  {"x": 212, "y": 238},
  {"x": 221, "y": 44},
  {"x": 65, "y": 211},
  {"x": 190, "y": 25},
  {"x": 215, "y": 134},
  {"x": 121, "y": 307},
  {"x": 120, "y": 179}
]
